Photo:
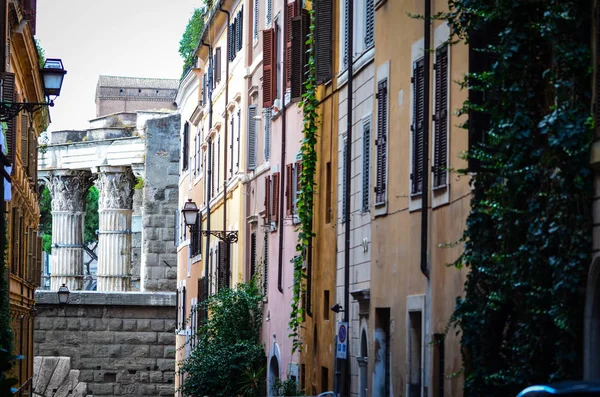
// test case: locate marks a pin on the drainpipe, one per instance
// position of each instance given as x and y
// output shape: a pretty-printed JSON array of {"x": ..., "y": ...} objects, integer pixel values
[
  {"x": 425, "y": 155},
  {"x": 281, "y": 172},
  {"x": 227, "y": 243},
  {"x": 347, "y": 168},
  {"x": 208, "y": 173}
]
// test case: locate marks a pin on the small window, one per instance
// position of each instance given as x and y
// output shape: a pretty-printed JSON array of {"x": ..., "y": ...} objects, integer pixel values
[{"x": 326, "y": 305}]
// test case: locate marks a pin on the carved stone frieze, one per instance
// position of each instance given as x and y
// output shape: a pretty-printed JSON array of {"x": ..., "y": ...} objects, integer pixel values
[
  {"x": 116, "y": 190},
  {"x": 68, "y": 190}
]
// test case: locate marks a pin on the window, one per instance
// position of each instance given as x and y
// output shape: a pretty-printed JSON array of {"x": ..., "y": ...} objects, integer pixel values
[
  {"x": 269, "y": 13},
  {"x": 236, "y": 35},
  {"x": 298, "y": 60},
  {"x": 196, "y": 237},
  {"x": 255, "y": 22},
  {"x": 223, "y": 266},
  {"x": 211, "y": 170},
  {"x": 418, "y": 111},
  {"x": 290, "y": 13},
  {"x": 232, "y": 124},
  {"x": 440, "y": 145},
  {"x": 272, "y": 197},
  {"x": 185, "y": 151},
  {"x": 326, "y": 308},
  {"x": 266, "y": 264},
  {"x": 252, "y": 254},
  {"x": 267, "y": 121},
  {"x": 269, "y": 67},
  {"x": 323, "y": 40},
  {"x": 251, "y": 137},
  {"x": 217, "y": 67},
  {"x": 292, "y": 187},
  {"x": 363, "y": 29},
  {"x": 366, "y": 163},
  {"x": 381, "y": 142},
  {"x": 237, "y": 139},
  {"x": 218, "y": 161},
  {"x": 204, "y": 88}
]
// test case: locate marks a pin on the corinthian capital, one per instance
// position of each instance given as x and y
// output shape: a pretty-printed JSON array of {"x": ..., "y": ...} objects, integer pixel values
[
  {"x": 116, "y": 188},
  {"x": 69, "y": 189}
]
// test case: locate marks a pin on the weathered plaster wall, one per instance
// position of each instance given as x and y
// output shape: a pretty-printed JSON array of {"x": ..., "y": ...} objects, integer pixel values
[
  {"x": 159, "y": 256},
  {"x": 121, "y": 343}
]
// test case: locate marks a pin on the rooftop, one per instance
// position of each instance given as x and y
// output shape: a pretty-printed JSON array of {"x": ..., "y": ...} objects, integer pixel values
[{"x": 137, "y": 82}]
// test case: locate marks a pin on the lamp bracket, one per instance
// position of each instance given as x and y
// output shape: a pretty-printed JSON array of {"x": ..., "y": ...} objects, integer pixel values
[
  {"x": 9, "y": 110},
  {"x": 223, "y": 235}
]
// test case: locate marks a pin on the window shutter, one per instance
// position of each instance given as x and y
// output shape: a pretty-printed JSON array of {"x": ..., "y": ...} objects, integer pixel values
[
  {"x": 269, "y": 12},
  {"x": 204, "y": 89},
  {"x": 268, "y": 197},
  {"x": 440, "y": 151},
  {"x": 8, "y": 95},
  {"x": 268, "y": 70},
  {"x": 289, "y": 201},
  {"x": 212, "y": 169},
  {"x": 323, "y": 40},
  {"x": 218, "y": 161},
  {"x": 185, "y": 147},
  {"x": 239, "y": 133},
  {"x": 252, "y": 254},
  {"x": 275, "y": 195},
  {"x": 230, "y": 40},
  {"x": 217, "y": 62},
  {"x": 417, "y": 127},
  {"x": 232, "y": 125},
  {"x": 223, "y": 271},
  {"x": 299, "y": 59},
  {"x": 178, "y": 300},
  {"x": 25, "y": 141},
  {"x": 266, "y": 264},
  {"x": 370, "y": 23},
  {"x": 289, "y": 15},
  {"x": 240, "y": 30},
  {"x": 251, "y": 138},
  {"x": 267, "y": 138},
  {"x": 183, "y": 308},
  {"x": 381, "y": 143},
  {"x": 255, "y": 21},
  {"x": 366, "y": 169},
  {"x": 201, "y": 293},
  {"x": 345, "y": 47},
  {"x": 344, "y": 179}
]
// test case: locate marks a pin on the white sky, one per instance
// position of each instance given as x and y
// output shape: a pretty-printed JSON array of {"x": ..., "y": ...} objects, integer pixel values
[{"x": 135, "y": 38}]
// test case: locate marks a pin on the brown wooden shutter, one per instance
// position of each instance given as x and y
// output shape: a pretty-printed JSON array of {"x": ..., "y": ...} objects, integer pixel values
[
  {"x": 323, "y": 40},
  {"x": 417, "y": 126},
  {"x": 381, "y": 143},
  {"x": 268, "y": 197},
  {"x": 299, "y": 61},
  {"x": 275, "y": 206},
  {"x": 269, "y": 83},
  {"x": 289, "y": 200},
  {"x": 289, "y": 15},
  {"x": 223, "y": 271},
  {"x": 440, "y": 151},
  {"x": 9, "y": 95}
]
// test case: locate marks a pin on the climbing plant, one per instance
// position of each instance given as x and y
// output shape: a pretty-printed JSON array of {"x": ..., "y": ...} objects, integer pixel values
[
  {"x": 190, "y": 39},
  {"x": 309, "y": 106},
  {"x": 528, "y": 234}
]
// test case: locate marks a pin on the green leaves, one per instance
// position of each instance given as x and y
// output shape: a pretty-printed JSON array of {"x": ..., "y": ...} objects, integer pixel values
[
  {"x": 191, "y": 38},
  {"x": 309, "y": 106},
  {"x": 229, "y": 357},
  {"x": 528, "y": 235}
]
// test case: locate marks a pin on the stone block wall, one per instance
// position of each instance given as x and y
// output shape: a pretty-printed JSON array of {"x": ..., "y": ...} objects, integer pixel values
[
  {"x": 160, "y": 201},
  {"x": 122, "y": 344}
]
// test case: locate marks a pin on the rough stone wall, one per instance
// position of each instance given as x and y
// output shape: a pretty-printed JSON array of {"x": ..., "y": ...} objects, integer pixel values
[
  {"x": 160, "y": 201},
  {"x": 121, "y": 344}
]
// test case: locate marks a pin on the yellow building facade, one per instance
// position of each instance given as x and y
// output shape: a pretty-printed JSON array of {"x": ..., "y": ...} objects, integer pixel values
[{"x": 22, "y": 82}]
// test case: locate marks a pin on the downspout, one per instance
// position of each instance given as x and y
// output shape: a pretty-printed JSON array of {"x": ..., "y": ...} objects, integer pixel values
[
  {"x": 208, "y": 174},
  {"x": 425, "y": 154},
  {"x": 281, "y": 173},
  {"x": 347, "y": 169},
  {"x": 225, "y": 147}
]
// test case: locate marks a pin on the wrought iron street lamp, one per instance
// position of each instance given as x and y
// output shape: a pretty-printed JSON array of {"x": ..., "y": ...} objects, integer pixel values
[
  {"x": 53, "y": 74},
  {"x": 63, "y": 294},
  {"x": 190, "y": 213}
]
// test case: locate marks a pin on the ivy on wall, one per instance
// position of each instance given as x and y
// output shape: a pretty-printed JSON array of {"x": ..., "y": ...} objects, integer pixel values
[
  {"x": 528, "y": 234},
  {"x": 309, "y": 105}
]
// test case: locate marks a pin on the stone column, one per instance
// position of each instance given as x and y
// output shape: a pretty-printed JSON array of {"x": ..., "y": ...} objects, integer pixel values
[
  {"x": 68, "y": 190},
  {"x": 114, "y": 236}
]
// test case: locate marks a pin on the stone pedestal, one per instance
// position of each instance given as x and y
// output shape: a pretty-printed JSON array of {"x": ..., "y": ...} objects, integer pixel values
[
  {"x": 68, "y": 191},
  {"x": 114, "y": 236}
]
